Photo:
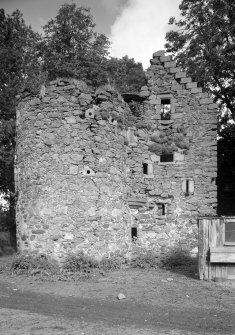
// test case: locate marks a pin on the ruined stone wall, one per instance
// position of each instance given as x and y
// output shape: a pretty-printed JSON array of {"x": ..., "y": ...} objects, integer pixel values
[
  {"x": 168, "y": 197},
  {"x": 93, "y": 174},
  {"x": 69, "y": 171}
]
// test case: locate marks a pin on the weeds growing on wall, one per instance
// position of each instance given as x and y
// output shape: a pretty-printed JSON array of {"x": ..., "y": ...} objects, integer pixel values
[
  {"x": 145, "y": 260},
  {"x": 33, "y": 264},
  {"x": 81, "y": 267},
  {"x": 75, "y": 266}
]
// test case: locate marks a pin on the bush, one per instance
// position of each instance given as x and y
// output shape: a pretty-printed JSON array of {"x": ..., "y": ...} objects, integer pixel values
[
  {"x": 145, "y": 260},
  {"x": 33, "y": 264},
  {"x": 155, "y": 148},
  {"x": 114, "y": 262},
  {"x": 80, "y": 263}
]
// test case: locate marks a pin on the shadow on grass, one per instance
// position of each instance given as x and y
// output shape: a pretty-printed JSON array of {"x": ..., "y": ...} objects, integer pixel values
[{"x": 181, "y": 262}]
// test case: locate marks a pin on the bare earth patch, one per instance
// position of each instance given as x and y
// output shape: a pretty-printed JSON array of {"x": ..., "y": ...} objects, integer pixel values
[{"x": 156, "y": 302}]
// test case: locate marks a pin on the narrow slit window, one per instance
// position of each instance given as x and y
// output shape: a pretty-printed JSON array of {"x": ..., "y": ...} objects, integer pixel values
[
  {"x": 165, "y": 109},
  {"x": 134, "y": 234},
  {"x": 165, "y": 158},
  {"x": 161, "y": 209},
  {"x": 145, "y": 168},
  {"x": 188, "y": 186}
]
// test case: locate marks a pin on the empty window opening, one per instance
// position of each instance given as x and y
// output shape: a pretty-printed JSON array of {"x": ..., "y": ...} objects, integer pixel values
[
  {"x": 148, "y": 169},
  {"x": 161, "y": 209},
  {"x": 165, "y": 158},
  {"x": 165, "y": 109},
  {"x": 230, "y": 233},
  {"x": 134, "y": 234},
  {"x": 145, "y": 168},
  {"x": 188, "y": 186}
]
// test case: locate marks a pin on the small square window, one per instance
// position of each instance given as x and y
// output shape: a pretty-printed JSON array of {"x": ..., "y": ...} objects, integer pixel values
[
  {"x": 165, "y": 109},
  {"x": 165, "y": 158}
]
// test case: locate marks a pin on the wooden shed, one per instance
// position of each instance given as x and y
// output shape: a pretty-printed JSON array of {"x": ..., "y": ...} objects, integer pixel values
[{"x": 216, "y": 248}]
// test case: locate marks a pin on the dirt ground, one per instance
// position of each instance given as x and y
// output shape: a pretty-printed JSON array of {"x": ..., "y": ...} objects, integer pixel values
[{"x": 156, "y": 302}]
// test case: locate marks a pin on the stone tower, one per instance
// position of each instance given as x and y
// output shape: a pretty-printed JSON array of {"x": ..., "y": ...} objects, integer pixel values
[{"x": 98, "y": 174}]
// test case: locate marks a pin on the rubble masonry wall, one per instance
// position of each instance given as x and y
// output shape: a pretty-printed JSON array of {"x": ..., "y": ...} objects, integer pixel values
[{"x": 89, "y": 169}]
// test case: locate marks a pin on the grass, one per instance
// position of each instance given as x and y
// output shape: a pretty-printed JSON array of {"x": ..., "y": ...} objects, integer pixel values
[{"x": 81, "y": 266}]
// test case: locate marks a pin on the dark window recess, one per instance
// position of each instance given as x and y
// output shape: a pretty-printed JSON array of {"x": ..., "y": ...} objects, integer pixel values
[
  {"x": 187, "y": 187},
  {"x": 164, "y": 158},
  {"x": 134, "y": 234},
  {"x": 161, "y": 209},
  {"x": 165, "y": 109},
  {"x": 230, "y": 232},
  {"x": 145, "y": 168}
]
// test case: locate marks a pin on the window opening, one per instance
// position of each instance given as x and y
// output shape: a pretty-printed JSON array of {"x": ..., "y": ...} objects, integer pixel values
[
  {"x": 164, "y": 158},
  {"x": 134, "y": 234},
  {"x": 162, "y": 209},
  {"x": 145, "y": 168},
  {"x": 165, "y": 109},
  {"x": 229, "y": 232},
  {"x": 187, "y": 186}
]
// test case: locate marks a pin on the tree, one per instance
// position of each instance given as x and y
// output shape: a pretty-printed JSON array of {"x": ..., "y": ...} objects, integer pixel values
[
  {"x": 72, "y": 48},
  {"x": 125, "y": 74},
  {"x": 204, "y": 45},
  {"x": 19, "y": 70},
  {"x": 19, "y": 60}
]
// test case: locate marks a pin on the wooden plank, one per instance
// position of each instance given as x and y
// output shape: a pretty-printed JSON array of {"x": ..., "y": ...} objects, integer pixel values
[
  {"x": 219, "y": 233},
  {"x": 201, "y": 255},
  {"x": 231, "y": 271},
  {"x": 222, "y": 257},
  {"x": 223, "y": 249},
  {"x": 213, "y": 233},
  {"x": 206, "y": 236}
]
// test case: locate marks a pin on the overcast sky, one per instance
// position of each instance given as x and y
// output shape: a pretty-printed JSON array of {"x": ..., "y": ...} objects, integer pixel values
[{"x": 136, "y": 28}]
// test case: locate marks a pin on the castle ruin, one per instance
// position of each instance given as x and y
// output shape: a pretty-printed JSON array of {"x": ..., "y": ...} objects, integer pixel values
[{"x": 103, "y": 173}]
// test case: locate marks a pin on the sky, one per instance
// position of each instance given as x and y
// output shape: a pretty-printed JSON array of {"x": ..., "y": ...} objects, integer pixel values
[{"x": 135, "y": 28}]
